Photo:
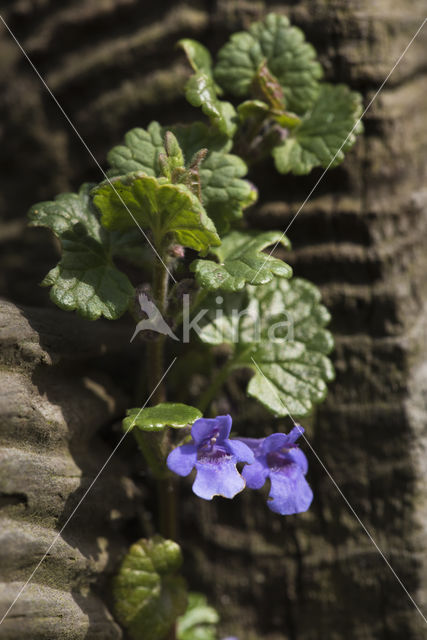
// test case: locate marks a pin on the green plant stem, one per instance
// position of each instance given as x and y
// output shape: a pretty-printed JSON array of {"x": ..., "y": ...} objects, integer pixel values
[{"x": 216, "y": 384}]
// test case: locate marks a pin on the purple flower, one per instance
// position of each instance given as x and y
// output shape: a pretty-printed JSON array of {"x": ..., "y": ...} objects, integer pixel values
[
  {"x": 214, "y": 456},
  {"x": 278, "y": 457}
]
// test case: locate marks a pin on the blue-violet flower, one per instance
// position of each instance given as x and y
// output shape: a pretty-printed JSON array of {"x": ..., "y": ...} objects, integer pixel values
[
  {"x": 278, "y": 457},
  {"x": 214, "y": 456}
]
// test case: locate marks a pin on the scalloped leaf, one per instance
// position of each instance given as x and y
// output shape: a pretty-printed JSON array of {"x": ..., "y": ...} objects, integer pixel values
[
  {"x": 281, "y": 326},
  {"x": 166, "y": 414},
  {"x": 140, "y": 151},
  {"x": 325, "y": 133},
  {"x": 288, "y": 56},
  {"x": 157, "y": 205},
  {"x": 224, "y": 194},
  {"x": 148, "y": 595},
  {"x": 241, "y": 262},
  {"x": 199, "y": 621},
  {"x": 85, "y": 279}
]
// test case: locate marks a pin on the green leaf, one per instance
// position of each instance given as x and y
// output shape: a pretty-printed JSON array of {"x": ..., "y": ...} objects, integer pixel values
[
  {"x": 167, "y": 414},
  {"x": 289, "y": 58},
  {"x": 241, "y": 261},
  {"x": 199, "y": 621},
  {"x": 140, "y": 152},
  {"x": 163, "y": 208},
  {"x": 201, "y": 90},
  {"x": 197, "y": 135},
  {"x": 85, "y": 279},
  {"x": 325, "y": 133},
  {"x": 280, "y": 327},
  {"x": 65, "y": 211},
  {"x": 148, "y": 595},
  {"x": 224, "y": 194}
]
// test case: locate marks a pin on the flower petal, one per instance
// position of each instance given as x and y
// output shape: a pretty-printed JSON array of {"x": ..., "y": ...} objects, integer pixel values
[
  {"x": 289, "y": 492},
  {"x": 217, "y": 479},
  {"x": 295, "y": 433},
  {"x": 275, "y": 442},
  {"x": 239, "y": 450},
  {"x": 256, "y": 474},
  {"x": 182, "y": 459},
  {"x": 203, "y": 428},
  {"x": 297, "y": 456}
]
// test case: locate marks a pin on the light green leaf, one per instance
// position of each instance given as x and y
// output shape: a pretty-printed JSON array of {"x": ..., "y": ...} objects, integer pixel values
[
  {"x": 201, "y": 90},
  {"x": 241, "y": 261},
  {"x": 167, "y": 414},
  {"x": 67, "y": 210},
  {"x": 289, "y": 58},
  {"x": 85, "y": 279},
  {"x": 325, "y": 133},
  {"x": 140, "y": 152},
  {"x": 199, "y": 621},
  {"x": 148, "y": 595},
  {"x": 164, "y": 208},
  {"x": 224, "y": 194},
  {"x": 281, "y": 326}
]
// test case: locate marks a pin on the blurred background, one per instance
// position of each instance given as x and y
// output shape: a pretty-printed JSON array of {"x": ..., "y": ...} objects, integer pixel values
[{"x": 113, "y": 65}]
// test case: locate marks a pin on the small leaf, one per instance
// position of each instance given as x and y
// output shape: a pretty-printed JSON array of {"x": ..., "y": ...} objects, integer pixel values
[
  {"x": 288, "y": 57},
  {"x": 241, "y": 261},
  {"x": 85, "y": 280},
  {"x": 167, "y": 414},
  {"x": 199, "y": 621},
  {"x": 281, "y": 327},
  {"x": 325, "y": 133},
  {"x": 197, "y": 135},
  {"x": 140, "y": 152},
  {"x": 65, "y": 211},
  {"x": 201, "y": 90},
  {"x": 148, "y": 595},
  {"x": 224, "y": 194},
  {"x": 163, "y": 208}
]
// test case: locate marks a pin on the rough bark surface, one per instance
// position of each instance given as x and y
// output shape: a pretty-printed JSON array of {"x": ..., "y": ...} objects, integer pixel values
[{"x": 361, "y": 238}]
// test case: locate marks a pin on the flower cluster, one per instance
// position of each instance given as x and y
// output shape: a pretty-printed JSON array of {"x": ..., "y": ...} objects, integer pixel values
[{"x": 214, "y": 456}]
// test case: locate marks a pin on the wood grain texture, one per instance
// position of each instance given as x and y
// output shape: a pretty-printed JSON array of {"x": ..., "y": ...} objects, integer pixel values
[{"x": 361, "y": 238}]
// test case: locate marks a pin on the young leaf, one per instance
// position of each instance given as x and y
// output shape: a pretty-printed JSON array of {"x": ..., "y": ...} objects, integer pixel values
[
  {"x": 199, "y": 621},
  {"x": 224, "y": 194},
  {"x": 241, "y": 261},
  {"x": 201, "y": 90},
  {"x": 325, "y": 133},
  {"x": 140, "y": 152},
  {"x": 85, "y": 279},
  {"x": 148, "y": 595},
  {"x": 163, "y": 208},
  {"x": 289, "y": 58},
  {"x": 281, "y": 326},
  {"x": 167, "y": 414},
  {"x": 65, "y": 211}
]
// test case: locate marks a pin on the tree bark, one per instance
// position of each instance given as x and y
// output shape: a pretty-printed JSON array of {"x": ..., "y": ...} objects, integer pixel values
[{"x": 361, "y": 237}]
